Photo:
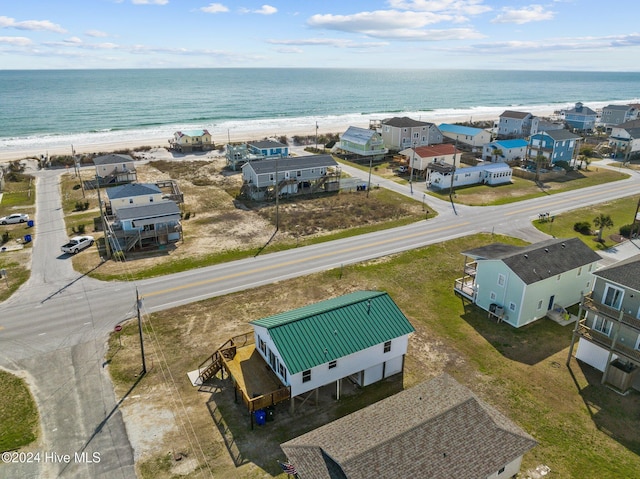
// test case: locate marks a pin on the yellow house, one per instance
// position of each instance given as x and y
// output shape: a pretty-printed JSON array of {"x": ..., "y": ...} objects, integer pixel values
[{"x": 191, "y": 140}]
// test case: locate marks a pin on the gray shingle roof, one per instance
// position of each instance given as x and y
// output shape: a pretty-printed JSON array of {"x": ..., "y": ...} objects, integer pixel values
[
  {"x": 267, "y": 144},
  {"x": 404, "y": 122},
  {"x": 561, "y": 135},
  {"x": 436, "y": 429},
  {"x": 152, "y": 210},
  {"x": 290, "y": 164},
  {"x": 539, "y": 261},
  {"x": 625, "y": 272},
  {"x": 515, "y": 114},
  {"x": 132, "y": 189},
  {"x": 111, "y": 159}
]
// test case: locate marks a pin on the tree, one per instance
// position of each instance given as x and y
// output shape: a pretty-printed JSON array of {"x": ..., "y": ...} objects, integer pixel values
[
  {"x": 496, "y": 153},
  {"x": 601, "y": 222},
  {"x": 540, "y": 160}
]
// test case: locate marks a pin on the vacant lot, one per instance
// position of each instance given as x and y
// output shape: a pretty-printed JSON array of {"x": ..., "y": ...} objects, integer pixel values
[{"x": 585, "y": 430}]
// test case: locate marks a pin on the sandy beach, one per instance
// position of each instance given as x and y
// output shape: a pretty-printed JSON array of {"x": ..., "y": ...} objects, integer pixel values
[{"x": 222, "y": 137}]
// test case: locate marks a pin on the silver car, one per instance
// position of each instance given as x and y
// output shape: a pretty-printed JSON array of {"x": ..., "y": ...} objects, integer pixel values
[{"x": 14, "y": 218}]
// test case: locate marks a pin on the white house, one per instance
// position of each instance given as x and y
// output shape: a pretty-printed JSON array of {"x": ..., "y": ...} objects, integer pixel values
[
  {"x": 442, "y": 176},
  {"x": 516, "y": 124},
  {"x": 419, "y": 158},
  {"x": 437, "y": 429},
  {"x": 362, "y": 336},
  {"x": 509, "y": 150},
  {"x": 404, "y": 132},
  {"x": 519, "y": 285},
  {"x": 134, "y": 194},
  {"x": 114, "y": 168},
  {"x": 364, "y": 142},
  {"x": 625, "y": 138},
  {"x": 474, "y": 137}
]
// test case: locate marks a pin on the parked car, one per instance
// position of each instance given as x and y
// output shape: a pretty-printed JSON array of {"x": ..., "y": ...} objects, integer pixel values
[
  {"x": 14, "y": 218},
  {"x": 77, "y": 244}
]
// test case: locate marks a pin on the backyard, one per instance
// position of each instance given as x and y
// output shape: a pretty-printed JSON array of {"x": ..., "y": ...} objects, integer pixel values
[{"x": 584, "y": 430}]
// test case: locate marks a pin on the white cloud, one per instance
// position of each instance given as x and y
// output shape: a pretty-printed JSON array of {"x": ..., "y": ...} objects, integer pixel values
[
  {"x": 214, "y": 8},
  {"x": 394, "y": 24},
  {"x": 465, "y": 7},
  {"x": 264, "y": 10},
  {"x": 17, "y": 41},
  {"x": 73, "y": 41},
  {"x": 41, "y": 25},
  {"x": 149, "y": 2},
  {"x": 334, "y": 42},
  {"x": 532, "y": 13},
  {"x": 96, "y": 33}
]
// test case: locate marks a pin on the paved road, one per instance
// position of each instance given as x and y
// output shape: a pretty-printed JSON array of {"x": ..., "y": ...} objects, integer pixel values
[{"x": 56, "y": 325}]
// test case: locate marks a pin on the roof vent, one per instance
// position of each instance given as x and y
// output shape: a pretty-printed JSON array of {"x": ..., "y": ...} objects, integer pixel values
[
  {"x": 368, "y": 306},
  {"x": 563, "y": 245},
  {"x": 526, "y": 256},
  {"x": 546, "y": 250}
]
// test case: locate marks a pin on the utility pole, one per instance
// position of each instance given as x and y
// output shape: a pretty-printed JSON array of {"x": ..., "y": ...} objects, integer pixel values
[
  {"x": 277, "y": 196},
  {"x": 413, "y": 160},
  {"x": 370, "y": 166},
  {"x": 316, "y": 136},
  {"x": 453, "y": 173},
  {"x": 107, "y": 246},
  {"x": 636, "y": 219},
  {"x": 138, "y": 303}
]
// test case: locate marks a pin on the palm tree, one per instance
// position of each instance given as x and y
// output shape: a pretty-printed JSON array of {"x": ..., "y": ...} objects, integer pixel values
[
  {"x": 496, "y": 153},
  {"x": 602, "y": 221},
  {"x": 540, "y": 161}
]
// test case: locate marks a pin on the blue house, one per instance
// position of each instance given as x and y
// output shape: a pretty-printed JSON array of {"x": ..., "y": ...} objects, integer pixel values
[
  {"x": 268, "y": 149},
  {"x": 580, "y": 117},
  {"x": 510, "y": 150},
  {"x": 555, "y": 145}
]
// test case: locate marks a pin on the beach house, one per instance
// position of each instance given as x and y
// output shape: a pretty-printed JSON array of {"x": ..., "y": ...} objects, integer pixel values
[
  {"x": 436, "y": 429},
  {"x": 133, "y": 194},
  {"x": 187, "y": 141},
  {"x": 264, "y": 179},
  {"x": 505, "y": 150},
  {"x": 554, "y": 145},
  {"x": 362, "y": 143},
  {"x": 580, "y": 117},
  {"x": 516, "y": 124},
  {"x": 474, "y": 137},
  {"x": 399, "y": 133},
  {"x": 617, "y": 114},
  {"x": 520, "y": 284},
  {"x": 625, "y": 139},
  {"x": 156, "y": 224},
  {"x": 268, "y": 149},
  {"x": 114, "y": 168},
  {"x": 442, "y": 176},
  {"x": 608, "y": 327},
  {"x": 419, "y": 158}
]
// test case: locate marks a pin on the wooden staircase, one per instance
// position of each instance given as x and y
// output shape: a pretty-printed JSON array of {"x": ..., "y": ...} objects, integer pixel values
[{"x": 210, "y": 367}]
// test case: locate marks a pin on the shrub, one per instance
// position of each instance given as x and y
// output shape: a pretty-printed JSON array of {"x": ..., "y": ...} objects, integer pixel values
[
  {"x": 187, "y": 215},
  {"x": 583, "y": 227},
  {"x": 626, "y": 230},
  {"x": 5, "y": 237}
]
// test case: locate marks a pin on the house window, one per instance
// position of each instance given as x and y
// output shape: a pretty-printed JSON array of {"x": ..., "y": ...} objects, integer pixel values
[
  {"x": 306, "y": 376},
  {"x": 492, "y": 296},
  {"x": 501, "y": 279},
  {"x": 539, "y": 305},
  {"x": 501, "y": 470},
  {"x": 298, "y": 173},
  {"x": 283, "y": 371},
  {"x": 602, "y": 325},
  {"x": 612, "y": 297},
  {"x": 332, "y": 364},
  {"x": 579, "y": 271},
  {"x": 512, "y": 307},
  {"x": 130, "y": 200},
  {"x": 558, "y": 278},
  {"x": 263, "y": 345},
  {"x": 387, "y": 346},
  {"x": 150, "y": 199}
]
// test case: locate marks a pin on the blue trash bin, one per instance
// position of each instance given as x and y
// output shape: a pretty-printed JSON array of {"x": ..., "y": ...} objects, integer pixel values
[
  {"x": 27, "y": 238},
  {"x": 261, "y": 417},
  {"x": 30, "y": 223}
]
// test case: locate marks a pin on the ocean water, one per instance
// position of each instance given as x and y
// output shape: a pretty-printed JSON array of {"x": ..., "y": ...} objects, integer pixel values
[{"x": 61, "y": 107}]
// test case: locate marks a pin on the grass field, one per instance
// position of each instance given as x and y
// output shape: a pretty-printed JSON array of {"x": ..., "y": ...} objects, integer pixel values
[
  {"x": 584, "y": 430},
  {"x": 19, "y": 424}
]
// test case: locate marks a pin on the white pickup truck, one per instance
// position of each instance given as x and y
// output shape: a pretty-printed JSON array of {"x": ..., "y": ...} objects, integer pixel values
[{"x": 77, "y": 243}]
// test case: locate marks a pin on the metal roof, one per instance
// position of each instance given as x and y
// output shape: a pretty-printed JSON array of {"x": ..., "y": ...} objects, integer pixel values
[
  {"x": 438, "y": 429},
  {"x": 517, "y": 143},
  {"x": 321, "y": 332},
  {"x": 459, "y": 129},
  {"x": 358, "y": 135},
  {"x": 152, "y": 210}
]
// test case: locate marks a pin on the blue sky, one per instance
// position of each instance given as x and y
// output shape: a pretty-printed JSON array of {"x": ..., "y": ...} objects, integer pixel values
[{"x": 474, "y": 34}]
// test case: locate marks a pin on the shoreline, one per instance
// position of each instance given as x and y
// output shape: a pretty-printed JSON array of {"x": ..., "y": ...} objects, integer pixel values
[{"x": 222, "y": 138}]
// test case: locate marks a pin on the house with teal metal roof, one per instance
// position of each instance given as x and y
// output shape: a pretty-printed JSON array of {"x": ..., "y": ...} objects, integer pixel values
[
  {"x": 474, "y": 137},
  {"x": 505, "y": 150},
  {"x": 362, "y": 336},
  {"x": 186, "y": 141}
]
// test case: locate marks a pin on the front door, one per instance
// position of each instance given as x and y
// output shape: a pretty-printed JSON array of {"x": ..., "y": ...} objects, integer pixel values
[{"x": 551, "y": 300}]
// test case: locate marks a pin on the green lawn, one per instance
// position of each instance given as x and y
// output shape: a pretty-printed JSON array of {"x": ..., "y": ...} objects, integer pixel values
[
  {"x": 622, "y": 212},
  {"x": 19, "y": 424}
]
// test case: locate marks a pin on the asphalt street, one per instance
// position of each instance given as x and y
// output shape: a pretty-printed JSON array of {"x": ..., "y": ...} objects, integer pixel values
[{"x": 56, "y": 326}]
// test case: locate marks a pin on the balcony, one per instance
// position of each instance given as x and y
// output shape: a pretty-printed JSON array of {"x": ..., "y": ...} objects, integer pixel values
[
  {"x": 466, "y": 287},
  {"x": 589, "y": 304},
  {"x": 606, "y": 342}
]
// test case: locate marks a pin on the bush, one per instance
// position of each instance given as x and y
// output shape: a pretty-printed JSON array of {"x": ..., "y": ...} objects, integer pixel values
[
  {"x": 626, "y": 230},
  {"x": 583, "y": 227},
  {"x": 5, "y": 237},
  {"x": 79, "y": 230},
  {"x": 563, "y": 164}
]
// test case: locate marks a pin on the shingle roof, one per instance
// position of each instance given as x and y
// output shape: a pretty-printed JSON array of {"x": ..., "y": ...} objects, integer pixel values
[
  {"x": 561, "y": 135},
  {"x": 358, "y": 135},
  {"x": 618, "y": 107},
  {"x": 438, "y": 429},
  {"x": 322, "y": 332},
  {"x": 436, "y": 150},
  {"x": 290, "y": 164},
  {"x": 459, "y": 129},
  {"x": 132, "y": 189},
  {"x": 404, "y": 122},
  {"x": 111, "y": 159},
  {"x": 267, "y": 144},
  {"x": 625, "y": 272},
  {"x": 539, "y": 261},
  {"x": 515, "y": 114},
  {"x": 151, "y": 210}
]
